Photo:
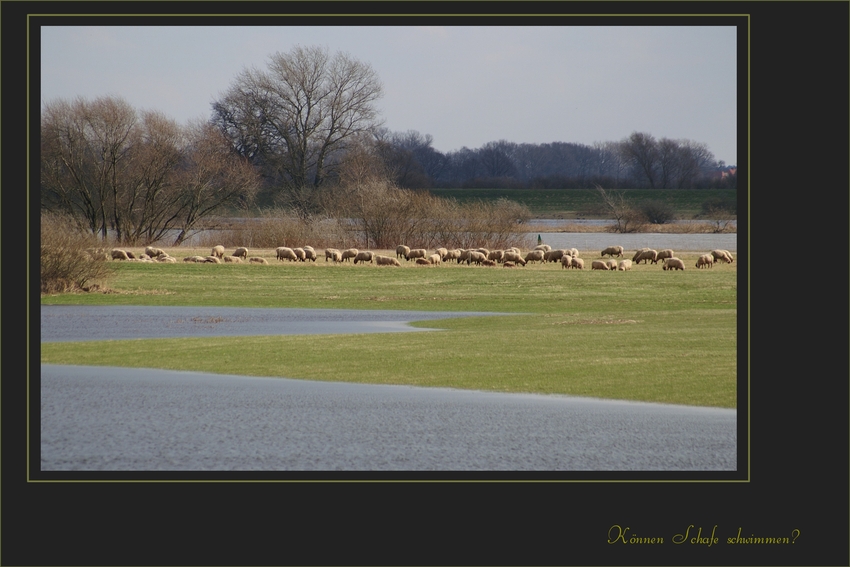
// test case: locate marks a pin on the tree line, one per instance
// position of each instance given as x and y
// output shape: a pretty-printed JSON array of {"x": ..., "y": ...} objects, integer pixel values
[{"x": 302, "y": 134}]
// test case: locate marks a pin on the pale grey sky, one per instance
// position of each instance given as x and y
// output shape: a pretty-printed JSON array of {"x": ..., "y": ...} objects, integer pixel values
[{"x": 465, "y": 86}]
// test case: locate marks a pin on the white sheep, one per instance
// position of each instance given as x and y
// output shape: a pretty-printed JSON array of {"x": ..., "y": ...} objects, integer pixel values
[
  {"x": 386, "y": 261},
  {"x": 663, "y": 255},
  {"x": 152, "y": 252},
  {"x": 166, "y": 259},
  {"x": 232, "y": 260},
  {"x": 554, "y": 255},
  {"x": 566, "y": 261},
  {"x": 333, "y": 254},
  {"x": 452, "y": 254},
  {"x": 574, "y": 252},
  {"x": 309, "y": 253},
  {"x": 285, "y": 253},
  {"x": 402, "y": 251},
  {"x": 724, "y": 255},
  {"x": 705, "y": 261},
  {"x": 217, "y": 251},
  {"x": 212, "y": 260},
  {"x": 349, "y": 253},
  {"x": 443, "y": 252},
  {"x": 300, "y": 254},
  {"x": 673, "y": 264},
  {"x": 416, "y": 253},
  {"x": 118, "y": 254},
  {"x": 363, "y": 256},
  {"x": 577, "y": 263},
  {"x": 496, "y": 255},
  {"x": 196, "y": 259},
  {"x": 464, "y": 255},
  {"x": 423, "y": 262},
  {"x": 508, "y": 265},
  {"x": 612, "y": 264},
  {"x": 645, "y": 255},
  {"x": 534, "y": 256},
  {"x": 435, "y": 259},
  {"x": 513, "y": 256},
  {"x": 612, "y": 251},
  {"x": 488, "y": 263},
  {"x": 258, "y": 260},
  {"x": 241, "y": 252},
  {"x": 544, "y": 247},
  {"x": 598, "y": 265},
  {"x": 624, "y": 265},
  {"x": 475, "y": 256}
]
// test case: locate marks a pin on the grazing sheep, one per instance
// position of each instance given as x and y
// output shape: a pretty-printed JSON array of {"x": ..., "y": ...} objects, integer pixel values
[
  {"x": 212, "y": 260},
  {"x": 673, "y": 264},
  {"x": 645, "y": 255},
  {"x": 386, "y": 261},
  {"x": 577, "y": 263},
  {"x": 724, "y": 255},
  {"x": 443, "y": 252},
  {"x": 496, "y": 255},
  {"x": 349, "y": 254},
  {"x": 232, "y": 260},
  {"x": 118, "y": 254},
  {"x": 554, "y": 255},
  {"x": 612, "y": 264},
  {"x": 515, "y": 257},
  {"x": 309, "y": 253},
  {"x": 198, "y": 259},
  {"x": 663, "y": 255},
  {"x": 544, "y": 247},
  {"x": 241, "y": 252},
  {"x": 402, "y": 251},
  {"x": 416, "y": 253},
  {"x": 475, "y": 256},
  {"x": 217, "y": 251},
  {"x": 598, "y": 265},
  {"x": 166, "y": 259},
  {"x": 285, "y": 253},
  {"x": 464, "y": 255},
  {"x": 152, "y": 252},
  {"x": 363, "y": 256},
  {"x": 144, "y": 258},
  {"x": 534, "y": 256},
  {"x": 566, "y": 261},
  {"x": 612, "y": 251},
  {"x": 258, "y": 260},
  {"x": 706, "y": 260},
  {"x": 333, "y": 254},
  {"x": 435, "y": 259},
  {"x": 130, "y": 255},
  {"x": 484, "y": 251},
  {"x": 423, "y": 262},
  {"x": 624, "y": 265},
  {"x": 300, "y": 254},
  {"x": 508, "y": 265},
  {"x": 453, "y": 254}
]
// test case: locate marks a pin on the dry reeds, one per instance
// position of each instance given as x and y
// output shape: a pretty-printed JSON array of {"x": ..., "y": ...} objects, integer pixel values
[{"x": 71, "y": 259}]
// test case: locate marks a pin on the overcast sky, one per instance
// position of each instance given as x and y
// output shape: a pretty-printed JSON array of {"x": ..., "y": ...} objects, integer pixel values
[{"x": 465, "y": 86}]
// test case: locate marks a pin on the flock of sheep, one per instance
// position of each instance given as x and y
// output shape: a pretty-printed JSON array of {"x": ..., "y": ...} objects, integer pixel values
[{"x": 509, "y": 258}]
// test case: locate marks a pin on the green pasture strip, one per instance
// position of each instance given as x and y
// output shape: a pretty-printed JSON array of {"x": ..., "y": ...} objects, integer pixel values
[
  {"x": 534, "y": 288},
  {"x": 682, "y": 357}
]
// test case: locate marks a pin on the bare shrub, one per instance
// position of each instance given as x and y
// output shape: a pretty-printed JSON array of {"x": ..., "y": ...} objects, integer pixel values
[
  {"x": 658, "y": 212},
  {"x": 626, "y": 218},
  {"x": 70, "y": 257},
  {"x": 283, "y": 227}
]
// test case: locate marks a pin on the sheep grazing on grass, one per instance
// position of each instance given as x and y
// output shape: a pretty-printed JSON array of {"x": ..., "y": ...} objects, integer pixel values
[
  {"x": 241, "y": 252},
  {"x": 300, "y": 254},
  {"x": 705, "y": 261},
  {"x": 363, "y": 256},
  {"x": 423, "y": 262},
  {"x": 401, "y": 251},
  {"x": 153, "y": 252},
  {"x": 566, "y": 261},
  {"x": 464, "y": 255},
  {"x": 663, "y": 255},
  {"x": 196, "y": 259},
  {"x": 544, "y": 247},
  {"x": 144, "y": 258},
  {"x": 554, "y": 255},
  {"x": 232, "y": 260},
  {"x": 132, "y": 256},
  {"x": 673, "y": 264},
  {"x": 535, "y": 256},
  {"x": 258, "y": 260},
  {"x": 453, "y": 254},
  {"x": 118, "y": 254},
  {"x": 508, "y": 265},
  {"x": 612, "y": 264},
  {"x": 285, "y": 253},
  {"x": 598, "y": 265},
  {"x": 212, "y": 260},
  {"x": 349, "y": 254},
  {"x": 475, "y": 256},
  {"x": 416, "y": 253},
  {"x": 435, "y": 259},
  {"x": 443, "y": 252},
  {"x": 624, "y": 265},
  {"x": 333, "y": 254},
  {"x": 386, "y": 261},
  {"x": 513, "y": 256},
  {"x": 496, "y": 255},
  {"x": 723, "y": 255},
  {"x": 612, "y": 251},
  {"x": 645, "y": 255},
  {"x": 217, "y": 251},
  {"x": 309, "y": 254},
  {"x": 577, "y": 263},
  {"x": 167, "y": 259}
]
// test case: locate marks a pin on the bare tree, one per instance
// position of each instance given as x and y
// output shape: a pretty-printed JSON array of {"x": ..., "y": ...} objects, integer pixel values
[
  {"x": 296, "y": 117},
  {"x": 626, "y": 218},
  {"x": 642, "y": 152}
]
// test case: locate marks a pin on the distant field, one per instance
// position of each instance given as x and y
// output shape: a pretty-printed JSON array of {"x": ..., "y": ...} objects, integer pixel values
[{"x": 573, "y": 203}]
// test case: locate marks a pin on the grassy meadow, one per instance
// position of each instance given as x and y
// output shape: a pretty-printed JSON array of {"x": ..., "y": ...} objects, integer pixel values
[{"x": 645, "y": 334}]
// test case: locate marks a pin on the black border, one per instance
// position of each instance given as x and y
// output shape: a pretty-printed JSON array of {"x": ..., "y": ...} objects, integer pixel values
[{"x": 799, "y": 462}]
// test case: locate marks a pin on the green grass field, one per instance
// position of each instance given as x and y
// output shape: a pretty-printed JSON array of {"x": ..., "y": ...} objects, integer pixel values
[{"x": 645, "y": 334}]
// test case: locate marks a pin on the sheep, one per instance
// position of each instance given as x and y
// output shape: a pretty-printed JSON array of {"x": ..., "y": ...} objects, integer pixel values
[
  {"x": 508, "y": 265},
  {"x": 566, "y": 261},
  {"x": 453, "y": 254},
  {"x": 496, "y": 255},
  {"x": 416, "y": 253},
  {"x": 464, "y": 255},
  {"x": 423, "y": 262},
  {"x": 232, "y": 260},
  {"x": 132, "y": 256},
  {"x": 118, "y": 254},
  {"x": 645, "y": 254},
  {"x": 544, "y": 247},
  {"x": 198, "y": 259},
  {"x": 363, "y": 256},
  {"x": 285, "y": 253},
  {"x": 705, "y": 260},
  {"x": 300, "y": 254},
  {"x": 475, "y": 256},
  {"x": 309, "y": 253},
  {"x": 348, "y": 254},
  {"x": 554, "y": 255},
  {"x": 598, "y": 265},
  {"x": 612, "y": 264},
  {"x": 673, "y": 264},
  {"x": 515, "y": 257},
  {"x": 624, "y": 265},
  {"x": 484, "y": 251},
  {"x": 577, "y": 263},
  {"x": 534, "y": 256},
  {"x": 151, "y": 251},
  {"x": 217, "y": 251},
  {"x": 488, "y": 263},
  {"x": 241, "y": 252},
  {"x": 724, "y": 255},
  {"x": 333, "y": 254},
  {"x": 144, "y": 258},
  {"x": 612, "y": 251},
  {"x": 258, "y": 260},
  {"x": 443, "y": 252},
  {"x": 663, "y": 255},
  {"x": 212, "y": 260},
  {"x": 573, "y": 252},
  {"x": 386, "y": 261},
  {"x": 402, "y": 251},
  {"x": 167, "y": 259},
  {"x": 435, "y": 259}
]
